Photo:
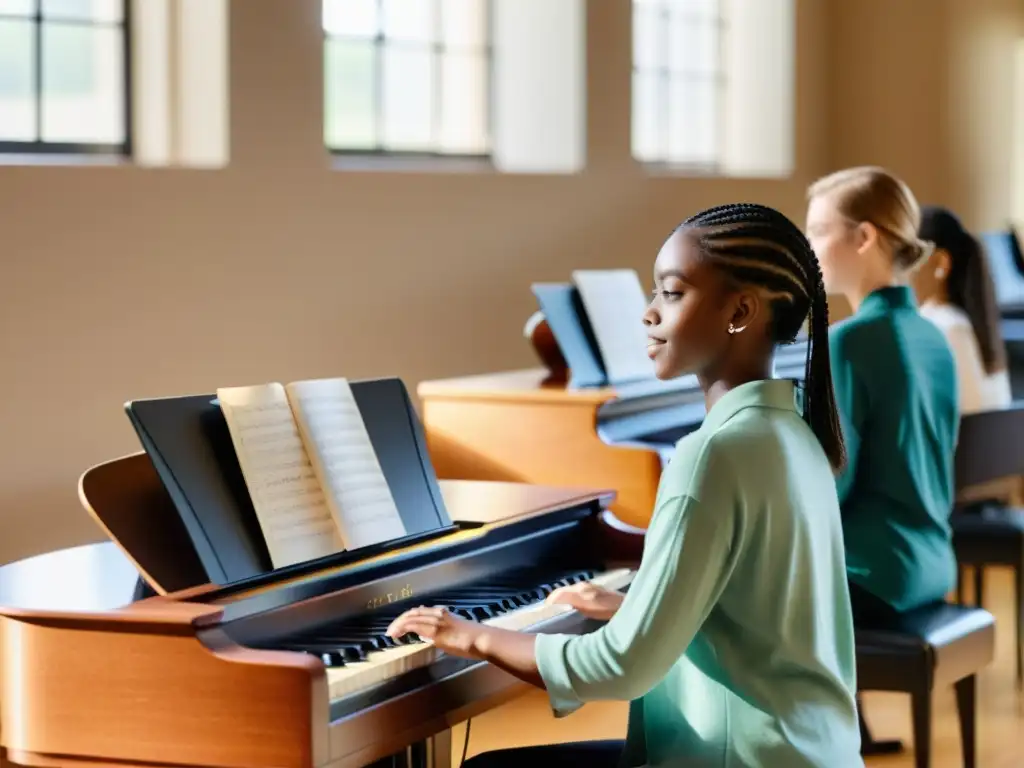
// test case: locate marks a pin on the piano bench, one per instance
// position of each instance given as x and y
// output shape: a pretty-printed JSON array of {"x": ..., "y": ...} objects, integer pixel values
[
  {"x": 928, "y": 647},
  {"x": 993, "y": 535}
]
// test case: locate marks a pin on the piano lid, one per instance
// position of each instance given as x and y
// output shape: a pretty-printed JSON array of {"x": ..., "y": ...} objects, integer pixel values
[{"x": 188, "y": 441}]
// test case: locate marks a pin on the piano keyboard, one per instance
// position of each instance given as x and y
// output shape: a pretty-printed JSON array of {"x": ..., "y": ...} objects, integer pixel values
[{"x": 359, "y": 655}]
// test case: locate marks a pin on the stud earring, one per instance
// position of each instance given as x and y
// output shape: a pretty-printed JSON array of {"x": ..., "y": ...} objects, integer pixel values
[
  {"x": 734, "y": 329},
  {"x": 940, "y": 273}
]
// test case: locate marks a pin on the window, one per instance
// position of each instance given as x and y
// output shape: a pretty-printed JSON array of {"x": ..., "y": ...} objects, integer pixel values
[
  {"x": 63, "y": 76},
  {"x": 407, "y": 77},
  {"x": 678, "y": 82}
]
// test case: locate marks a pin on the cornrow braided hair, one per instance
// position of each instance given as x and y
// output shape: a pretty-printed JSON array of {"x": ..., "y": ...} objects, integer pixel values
[{"x": 757, "y": 245}]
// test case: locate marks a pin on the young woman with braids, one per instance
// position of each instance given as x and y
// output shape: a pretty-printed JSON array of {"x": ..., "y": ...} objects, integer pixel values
[{"x": 734, "y": 644}]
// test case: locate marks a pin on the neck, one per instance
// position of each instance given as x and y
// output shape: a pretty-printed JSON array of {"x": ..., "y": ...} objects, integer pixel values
[
  {"x": 856, "y": 296},
  {"x": 715, "y": 386},
  {"x": 936, "y": 299}
]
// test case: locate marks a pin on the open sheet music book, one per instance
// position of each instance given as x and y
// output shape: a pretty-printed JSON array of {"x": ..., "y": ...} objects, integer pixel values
[{"x": 314, "y": 477}]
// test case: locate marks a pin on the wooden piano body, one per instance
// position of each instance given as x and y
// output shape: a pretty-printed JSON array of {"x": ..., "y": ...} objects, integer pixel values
[
  {"x": 186, "y": 679},
  {"x": 531, "y": 426},
  {"x": 261, "y": 667}
]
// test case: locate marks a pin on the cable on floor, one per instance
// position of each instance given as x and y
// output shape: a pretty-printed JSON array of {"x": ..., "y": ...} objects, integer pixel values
[{"x": 465, "y": 744}]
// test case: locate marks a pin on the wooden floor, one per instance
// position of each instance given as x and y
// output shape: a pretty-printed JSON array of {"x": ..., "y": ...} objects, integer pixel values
[{"x": 1000, "y": 716}]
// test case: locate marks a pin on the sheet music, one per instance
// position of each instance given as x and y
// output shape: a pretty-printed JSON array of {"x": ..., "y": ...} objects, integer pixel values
[
  {"x": 290, "y": 505},
  {"x": 615, "y": 304},
  {"x": 345, "y": 461}
]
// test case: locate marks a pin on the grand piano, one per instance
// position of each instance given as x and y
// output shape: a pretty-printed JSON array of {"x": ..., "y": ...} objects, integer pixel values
[
  {"x": 244, "y": 664},
  {"x": 571, "y": 421}
]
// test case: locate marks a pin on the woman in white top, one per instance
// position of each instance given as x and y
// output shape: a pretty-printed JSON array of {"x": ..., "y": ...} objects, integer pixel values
[{"x": 955, "y": 291}]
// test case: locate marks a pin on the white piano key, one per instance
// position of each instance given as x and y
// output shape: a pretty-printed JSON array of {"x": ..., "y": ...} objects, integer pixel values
[{"x": 381, "y": 666}]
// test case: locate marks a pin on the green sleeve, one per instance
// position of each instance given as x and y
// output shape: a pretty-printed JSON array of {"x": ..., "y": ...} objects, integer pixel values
[
  {"x": 851, "y": 400},
  {"x": 690, "y": 552}
]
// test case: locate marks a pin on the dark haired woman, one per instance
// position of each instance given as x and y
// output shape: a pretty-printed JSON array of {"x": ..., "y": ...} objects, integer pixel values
[
  {"x": 734, "y": 644},
  {"x": 955, "y": 291}
]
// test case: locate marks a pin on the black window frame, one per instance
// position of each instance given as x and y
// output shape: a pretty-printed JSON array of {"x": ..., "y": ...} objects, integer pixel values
[
  {"x": 40, "y": 146},
  {"x": 380, "y": 42},
  {"x": 666, "y": 76}
]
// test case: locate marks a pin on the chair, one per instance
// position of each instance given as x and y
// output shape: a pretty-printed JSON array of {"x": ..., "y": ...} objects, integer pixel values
[
  {"x": 991, "y": 447},
  {"x": 928, "y": 647},
  {"x": 946, "y": 644},
  {"x": 129, "y": 502}
]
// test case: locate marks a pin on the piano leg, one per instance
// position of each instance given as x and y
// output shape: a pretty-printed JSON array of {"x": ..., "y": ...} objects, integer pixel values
[{"x": 440, "y": 750}]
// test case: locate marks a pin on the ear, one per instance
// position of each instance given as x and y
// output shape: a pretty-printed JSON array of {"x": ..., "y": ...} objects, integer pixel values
[
  {"x": 746, "y": 307},
  {"x": 941, "y": 264},
  {"x": 865, "y": 236}
]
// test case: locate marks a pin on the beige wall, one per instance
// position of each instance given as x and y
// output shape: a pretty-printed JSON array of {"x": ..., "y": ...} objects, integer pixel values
[
  {"x": 120, "y": 283},
  {"x": 928, "y": 89}
]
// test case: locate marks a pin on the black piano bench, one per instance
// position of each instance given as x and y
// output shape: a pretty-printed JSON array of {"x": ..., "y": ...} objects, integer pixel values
[
  {"x": 989, "y": 449},
  {"x": 993, "y": 535},
  {"x": 928, "y": 647}
]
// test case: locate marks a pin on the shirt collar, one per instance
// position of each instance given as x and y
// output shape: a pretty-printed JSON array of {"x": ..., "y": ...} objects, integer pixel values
[
  {"x": 766, "y": 393},
  {"x": 889, "y": 298}
]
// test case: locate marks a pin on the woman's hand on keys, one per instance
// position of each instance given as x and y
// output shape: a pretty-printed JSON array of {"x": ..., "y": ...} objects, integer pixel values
[{"x": 592, "y": 601}]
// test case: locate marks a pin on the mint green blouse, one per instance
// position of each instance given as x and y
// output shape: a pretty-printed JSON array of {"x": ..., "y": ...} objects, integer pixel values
[
  {"x": 895, "y": 382},
  {"x": 735, "y": 643}
]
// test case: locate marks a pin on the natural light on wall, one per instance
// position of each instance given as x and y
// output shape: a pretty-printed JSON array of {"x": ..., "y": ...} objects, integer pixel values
[
  {"x": 713, "y": 86},
  {"x": 63, "y": 76},
  {"x": 1017, "y": 214}
]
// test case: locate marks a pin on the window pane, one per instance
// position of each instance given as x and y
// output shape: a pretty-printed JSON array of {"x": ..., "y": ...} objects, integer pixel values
[
  {"x": 354, "y": 18},
  {"x": 464, "y": 23},
  {"x": 408, "y": 99},
  {"x": 84, "y": 10},
  {"x": 682, "y": 127},
  {"x": 17, "y": 81},
  {"x": 464, "y": 103},
  {"x": 648, "y": 37},
  {"x": 83, "y": 84},
  {"x": 706, "y": 120},
  {"x": 694, "y": 45},
  {"x": 350, "y": 74},
  {"x": 17, "y": 8},
  {"x": 648, "y": 107},
  {"x": 414, "y": 20},
  {"x": 698, "y": 9},
  {"x": 693, "y": 120}
]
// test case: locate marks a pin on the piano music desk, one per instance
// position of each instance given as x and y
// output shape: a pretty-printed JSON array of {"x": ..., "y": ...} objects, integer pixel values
[{"x": 517, "y": 426}]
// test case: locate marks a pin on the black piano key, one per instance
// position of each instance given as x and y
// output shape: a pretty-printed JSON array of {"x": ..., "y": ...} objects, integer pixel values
[{"x": 331, "y": 656}]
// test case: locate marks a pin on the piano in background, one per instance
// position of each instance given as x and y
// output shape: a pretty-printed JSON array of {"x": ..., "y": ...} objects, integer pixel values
[
  {"x": 593, "y": 416},
  {"x": 1006, "y": 263},
  {"x": 265, "y": 667}
]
